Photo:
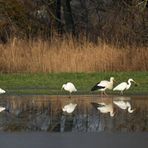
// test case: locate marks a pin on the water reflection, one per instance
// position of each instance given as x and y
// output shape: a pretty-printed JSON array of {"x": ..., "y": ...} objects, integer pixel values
[
  {"x": 2, "y": 108},
  {"x": 104, "y": 108},
  {"x": 80, "y": 113},
  {"x": 69, "y": 108},
  {"x": 124, "y": 104}
]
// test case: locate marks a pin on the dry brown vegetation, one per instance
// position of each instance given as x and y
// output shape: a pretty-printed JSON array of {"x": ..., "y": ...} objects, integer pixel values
[{"x": 69, "y": 55}]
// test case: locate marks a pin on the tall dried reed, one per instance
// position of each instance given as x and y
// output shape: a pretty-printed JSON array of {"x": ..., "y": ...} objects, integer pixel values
[{"x": 68, "y": 55}]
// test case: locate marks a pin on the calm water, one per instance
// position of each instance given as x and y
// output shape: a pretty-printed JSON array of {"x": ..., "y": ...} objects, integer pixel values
[{"x": 45, "y": 113}]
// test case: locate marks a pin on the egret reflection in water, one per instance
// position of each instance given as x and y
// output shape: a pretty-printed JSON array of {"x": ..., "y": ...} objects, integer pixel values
[
  {"x": 124, "y": 103},
  {"x": 2, "y": 108},
  {"x": 69, "y": 108},
  {"x": 44, "y": 113}
]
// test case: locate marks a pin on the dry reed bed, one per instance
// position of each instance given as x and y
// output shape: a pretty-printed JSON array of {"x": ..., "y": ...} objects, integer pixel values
[{"x": 69, "y": 56}]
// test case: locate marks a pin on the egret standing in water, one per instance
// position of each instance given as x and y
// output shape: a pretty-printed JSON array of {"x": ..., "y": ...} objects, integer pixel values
[
  {"x": 103, "y": 85},
  {"x": 69, "y": 87},
  {"x": 124, "y": 86},
  {"x": 2, "y": 91}
]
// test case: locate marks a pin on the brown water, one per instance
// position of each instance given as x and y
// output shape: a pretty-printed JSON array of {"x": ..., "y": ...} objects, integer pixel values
[{"x": 44, "y": 113}]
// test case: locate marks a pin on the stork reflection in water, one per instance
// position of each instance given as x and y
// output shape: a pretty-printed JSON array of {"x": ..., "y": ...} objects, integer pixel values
[{"x": 104, "y": 108}]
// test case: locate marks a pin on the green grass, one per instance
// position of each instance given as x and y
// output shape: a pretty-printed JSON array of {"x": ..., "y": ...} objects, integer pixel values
[{"x": 51, "y": 83}]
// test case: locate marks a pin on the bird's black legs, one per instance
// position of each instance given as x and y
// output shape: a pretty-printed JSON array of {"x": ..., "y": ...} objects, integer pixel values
[
  {"x": 69, "y": 95},
  {"x": 121, "y": 93},
  {"x": 103, "y": 93}
]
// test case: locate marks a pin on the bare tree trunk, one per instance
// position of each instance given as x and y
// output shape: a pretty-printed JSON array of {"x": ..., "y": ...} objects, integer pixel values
[
  {"x": 58, "y": 15},
  {"x": 70, "y": 28},
  {"x": 84, "y": 6}
]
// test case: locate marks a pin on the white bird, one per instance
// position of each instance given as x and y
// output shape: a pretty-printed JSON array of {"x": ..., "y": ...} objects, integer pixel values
[
  {"x": 104, "y": 108},
  {"x": 2, "y": 91},
  {"x": 124, "y": 105},
  {"x": 69, "y": 87},
  {"x": 69, "y": 108},
  {"x": 103, "y": 85},
  {"x": 2, "y": 108},
  {"x": 124, "y": 86}
]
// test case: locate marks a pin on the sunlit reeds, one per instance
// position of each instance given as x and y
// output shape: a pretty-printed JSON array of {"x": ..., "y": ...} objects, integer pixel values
[{"x": 69, "y": 55}]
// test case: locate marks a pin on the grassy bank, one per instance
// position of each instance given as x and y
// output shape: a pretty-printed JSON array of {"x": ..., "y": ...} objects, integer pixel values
[{"x": 51, "y": 83}]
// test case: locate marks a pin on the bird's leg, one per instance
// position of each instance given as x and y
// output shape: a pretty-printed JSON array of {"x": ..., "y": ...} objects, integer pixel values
[
  {"x": 101, "y": 93},
  {"x": 105, "y": 93},
  {"x": 69, "y": 95},
  {"x": 122, "y": 93}
]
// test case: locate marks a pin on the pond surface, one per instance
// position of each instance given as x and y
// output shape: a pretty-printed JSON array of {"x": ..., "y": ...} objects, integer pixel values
[{"x": 84, "y": 113}]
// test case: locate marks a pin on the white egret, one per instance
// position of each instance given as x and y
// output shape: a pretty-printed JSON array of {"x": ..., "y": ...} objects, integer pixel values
[
  {"x": 104, "y": 108},
  {"x": 2, "y": 91},
  {"x": 124, "y": 86},
  {"x": 69, "y": 108},
  {"x": 124, "y": 105},
  {"x": 69, "y": 87},
  {"x": 103, "y": 85}
]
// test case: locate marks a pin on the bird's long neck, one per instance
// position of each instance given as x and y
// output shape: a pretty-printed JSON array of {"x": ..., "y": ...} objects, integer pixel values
[
  {"x": 128, "y": 84},
  {"x": 130, "y": 110},
  {"x": 111, "y": 83},
  {"x": 111, "y": 80},
  {"x": 112, "y": 113},
  {"x": 63, "y": 86}
]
